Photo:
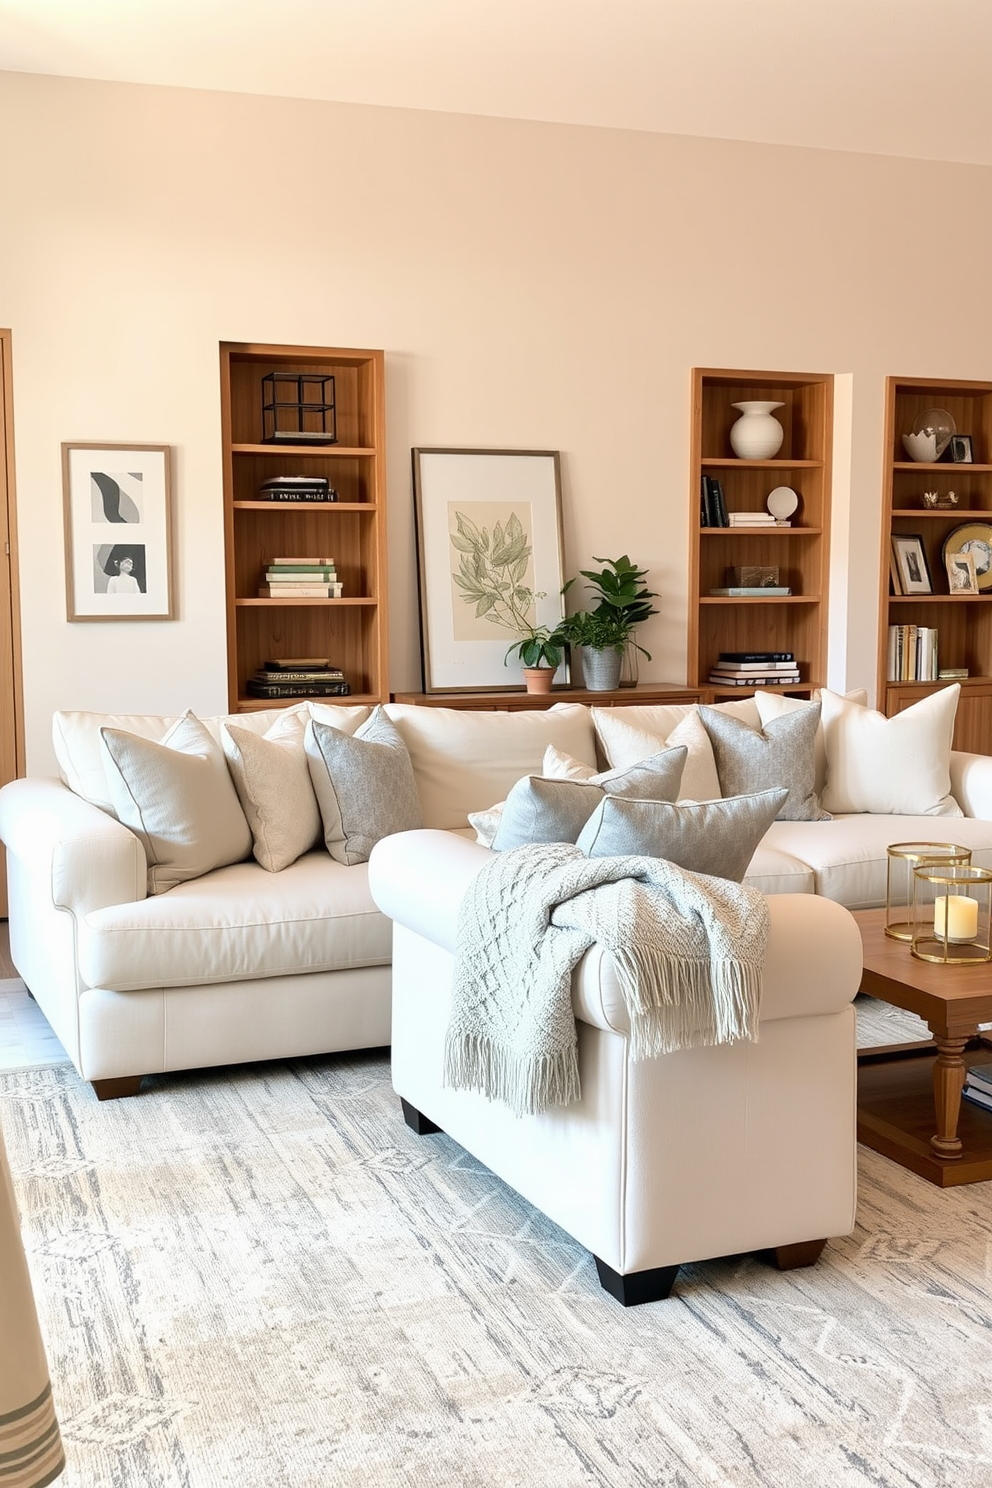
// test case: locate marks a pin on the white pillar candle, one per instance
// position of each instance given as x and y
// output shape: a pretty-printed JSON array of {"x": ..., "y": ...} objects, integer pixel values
[{"x": 959, "y": 914}]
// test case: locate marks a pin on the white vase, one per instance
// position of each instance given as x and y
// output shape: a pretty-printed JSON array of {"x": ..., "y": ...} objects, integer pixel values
[{"x": 756, "y": 435}]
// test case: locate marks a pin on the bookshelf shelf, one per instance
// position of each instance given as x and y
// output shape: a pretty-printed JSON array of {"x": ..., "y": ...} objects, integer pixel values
[
  {"x": 795, "y": 622},
  {"x": 352, "y": 631},
  {"x": 963, "y": 621}
]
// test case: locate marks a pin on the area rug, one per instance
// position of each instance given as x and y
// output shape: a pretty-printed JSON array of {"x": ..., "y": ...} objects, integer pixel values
[{"x": 260, "y": 1277}]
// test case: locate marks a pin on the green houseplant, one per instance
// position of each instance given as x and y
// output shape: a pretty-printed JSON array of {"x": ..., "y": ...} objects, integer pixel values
[
  {"x": 605, "y": 632},
  {"x": 540, "y": 650}
]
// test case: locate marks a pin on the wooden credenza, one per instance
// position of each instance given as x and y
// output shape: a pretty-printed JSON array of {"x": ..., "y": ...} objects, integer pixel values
[{"x": 515, "y": 699}]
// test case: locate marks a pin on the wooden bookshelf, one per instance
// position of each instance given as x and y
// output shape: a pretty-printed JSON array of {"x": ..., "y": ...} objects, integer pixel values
[
  {"x": 351, "y": 631},
  {"x": 963, "y": 622},
  {"x": 796, "y": 622}
]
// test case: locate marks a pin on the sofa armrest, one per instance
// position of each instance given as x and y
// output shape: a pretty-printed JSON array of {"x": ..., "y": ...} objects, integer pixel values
[
  {"x": 971, "y": 783},
  {"x": 71, "y": 851},
  {"x": 813, "y": 964}
]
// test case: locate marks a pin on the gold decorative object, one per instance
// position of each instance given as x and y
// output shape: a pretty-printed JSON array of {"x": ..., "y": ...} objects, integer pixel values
[
  {"x": 939, "y": 500},
  {"x": 903, "y": 858},
  {"x": 952, "y": 914}
]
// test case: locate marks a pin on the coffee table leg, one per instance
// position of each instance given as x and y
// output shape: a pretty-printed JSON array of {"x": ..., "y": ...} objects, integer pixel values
[{"x": 948, "y": 1082}]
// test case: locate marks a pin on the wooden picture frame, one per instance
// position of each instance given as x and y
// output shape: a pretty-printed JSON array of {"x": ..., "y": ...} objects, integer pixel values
[
  {"x": 911, "y": 563},
  {"x": 962, "y": 577},
  {"x": 471, "y": 609},
  {"x": 118, "y": 491}
]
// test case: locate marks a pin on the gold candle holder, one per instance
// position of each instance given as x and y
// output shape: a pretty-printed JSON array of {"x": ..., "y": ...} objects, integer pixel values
[
  {"x": 903, "y": 858},
  {"x": 952, "y": 914}
]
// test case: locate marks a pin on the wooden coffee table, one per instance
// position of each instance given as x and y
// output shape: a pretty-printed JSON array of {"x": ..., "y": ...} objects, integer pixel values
[{"x": 909, "y": 1095}]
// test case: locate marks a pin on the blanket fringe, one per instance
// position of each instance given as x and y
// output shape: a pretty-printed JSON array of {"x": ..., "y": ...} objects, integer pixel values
[
  {"x": 674, "y": 1006},
  {"x": 527, "y": 1086}
]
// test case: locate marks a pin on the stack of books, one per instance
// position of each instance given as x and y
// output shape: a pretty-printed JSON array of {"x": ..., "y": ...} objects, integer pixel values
[
  {"x": 912, "y": 653},
  {"x": 755, "y": 669},
  {"x": 298, "y": 676},
  {"x": 750, "y": 519},
  {"x": 300, "y": 578},
  {"x": 297, "y": 488},
  {"x": 712, "y": 504},
  {"x": 978, "y": 1085}
]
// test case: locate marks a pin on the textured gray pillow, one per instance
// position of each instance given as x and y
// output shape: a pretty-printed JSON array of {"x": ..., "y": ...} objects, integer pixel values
[
  {"x": 542, "y": 810},
  {"x": 714, "y": 837},
  {"x": 364, "y": 785},
  {"x": 782, "y": 753}
]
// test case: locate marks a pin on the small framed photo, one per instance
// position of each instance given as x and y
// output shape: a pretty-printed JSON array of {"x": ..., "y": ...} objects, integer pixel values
[
  {"x": 911, "y": 564},
  {"x": 118, "y": 531},
  {"x": 962, "y": 577},
  {"x": 961, "y": 452}
]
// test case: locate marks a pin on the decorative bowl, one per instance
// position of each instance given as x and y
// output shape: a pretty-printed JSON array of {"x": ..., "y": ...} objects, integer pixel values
[{"x": 930, "y": 436}]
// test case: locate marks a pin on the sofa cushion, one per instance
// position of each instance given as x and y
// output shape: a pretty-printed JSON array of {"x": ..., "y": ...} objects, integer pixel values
[
  {"x": 465, "y": 760},
  {"x": 76, "y": 739},
  {"x": 178, "y": 799},
  {"x": 899, "y": 766},
  {"x": 626, "y": 743},
  {"x": 541, "y": 810},
  {"x": 272, "y": 779},
  {"x": 714, "y": 837},
  {"x": 848, "y": 857},
  {"x": 238, "y": 922},
  {"x": 364, "y": 785},
  {"x": 781, "y": 753}
]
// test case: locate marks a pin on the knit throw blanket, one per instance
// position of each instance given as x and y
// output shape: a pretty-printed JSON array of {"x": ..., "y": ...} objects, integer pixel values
[{"x": 688, "y": 951}]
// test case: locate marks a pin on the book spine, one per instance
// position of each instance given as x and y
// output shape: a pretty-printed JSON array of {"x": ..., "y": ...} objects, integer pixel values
[
  {"x": 762, "y": 656},
  {"x": 276, "y": 679},
  {"x": 300, "y": 568},
  {"x": 721, "y": 505},
  {"x": 300, "y": 591},
  {"x": 292, "y": 689}
]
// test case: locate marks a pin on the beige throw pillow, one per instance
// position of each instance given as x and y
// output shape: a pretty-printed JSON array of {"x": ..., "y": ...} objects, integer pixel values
[
  {"x": 272, "y": 779},
  {"x": 364, "y": 784},
  {"x": 178, "y": 799},
  {"x": 898, "y": 766},
  {"x": 625, "y": 743}
]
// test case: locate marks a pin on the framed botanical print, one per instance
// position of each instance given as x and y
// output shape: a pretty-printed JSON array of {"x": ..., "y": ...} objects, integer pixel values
[
  {"x": 489, "y": 559},
  {"x": 118, "y": 531}
]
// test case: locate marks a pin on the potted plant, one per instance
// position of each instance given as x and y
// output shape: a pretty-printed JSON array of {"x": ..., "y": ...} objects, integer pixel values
[
  {"x": 540, "y": 649},
  {"x": 606, "y": 632}
]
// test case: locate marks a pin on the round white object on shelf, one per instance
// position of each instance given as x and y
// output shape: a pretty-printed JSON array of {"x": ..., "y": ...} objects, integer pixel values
[{"x": 782, "y": 502}]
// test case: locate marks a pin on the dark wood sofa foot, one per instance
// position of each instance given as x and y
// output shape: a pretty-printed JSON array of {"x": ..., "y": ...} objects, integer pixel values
[
  {"x": 114, "y": 1089},
  {"x": 792, "y": 1257},
  {"x": 637, "y": 1286},
  {"x": 416, "y": 1120}
]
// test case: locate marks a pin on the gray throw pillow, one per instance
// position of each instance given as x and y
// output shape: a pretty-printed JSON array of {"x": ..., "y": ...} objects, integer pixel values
[
  {"x": 541, "y": 810},
  {"x": 782, "y": 753},
  {"x": 714, "y": 837},
  {"x": 364, "y": 784}
]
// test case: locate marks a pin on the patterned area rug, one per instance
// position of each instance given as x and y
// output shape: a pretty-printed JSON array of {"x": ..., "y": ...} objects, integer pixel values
[{"x": 259, "y": 1277}]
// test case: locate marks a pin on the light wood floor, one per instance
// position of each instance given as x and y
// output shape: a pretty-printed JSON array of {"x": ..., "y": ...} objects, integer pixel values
[{"x": 7, "y": 968}]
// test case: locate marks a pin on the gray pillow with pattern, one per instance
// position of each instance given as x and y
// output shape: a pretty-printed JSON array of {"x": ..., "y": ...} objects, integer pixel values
[
  {"x": 364, "y": 784},
  {"x": 782, "y": 753},
  {"x": 538, "y": 809},
  {"x": 714, "y": 837}
]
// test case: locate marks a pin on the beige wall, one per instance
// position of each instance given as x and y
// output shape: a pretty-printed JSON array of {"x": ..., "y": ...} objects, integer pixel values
[{"x": 534, "y": 286}]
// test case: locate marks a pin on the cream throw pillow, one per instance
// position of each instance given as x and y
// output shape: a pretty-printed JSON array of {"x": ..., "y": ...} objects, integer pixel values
[
  {"x": 626, "y": 744},
  {"x": 178, "y": 799},
  {"x": 272, "y": 779},
  {"x": 898, "y": 766}
]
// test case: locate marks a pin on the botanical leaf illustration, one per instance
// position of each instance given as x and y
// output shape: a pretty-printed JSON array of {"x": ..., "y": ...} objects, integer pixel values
[{"x": 491, "y": 566}]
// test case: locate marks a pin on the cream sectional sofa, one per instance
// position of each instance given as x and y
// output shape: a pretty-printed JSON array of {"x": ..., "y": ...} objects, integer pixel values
[{"x": 243, "y": 964}]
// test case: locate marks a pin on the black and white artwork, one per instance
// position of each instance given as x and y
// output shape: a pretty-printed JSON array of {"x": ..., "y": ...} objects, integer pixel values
[{"x": 118, "y": 532}]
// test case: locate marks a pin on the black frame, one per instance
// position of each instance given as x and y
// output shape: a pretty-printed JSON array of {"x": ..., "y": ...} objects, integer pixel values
[{"x": 961, "y": 449}]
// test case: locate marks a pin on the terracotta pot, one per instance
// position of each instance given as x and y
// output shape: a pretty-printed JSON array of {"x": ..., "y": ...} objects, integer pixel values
[{"x": 539, "y": 679}]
